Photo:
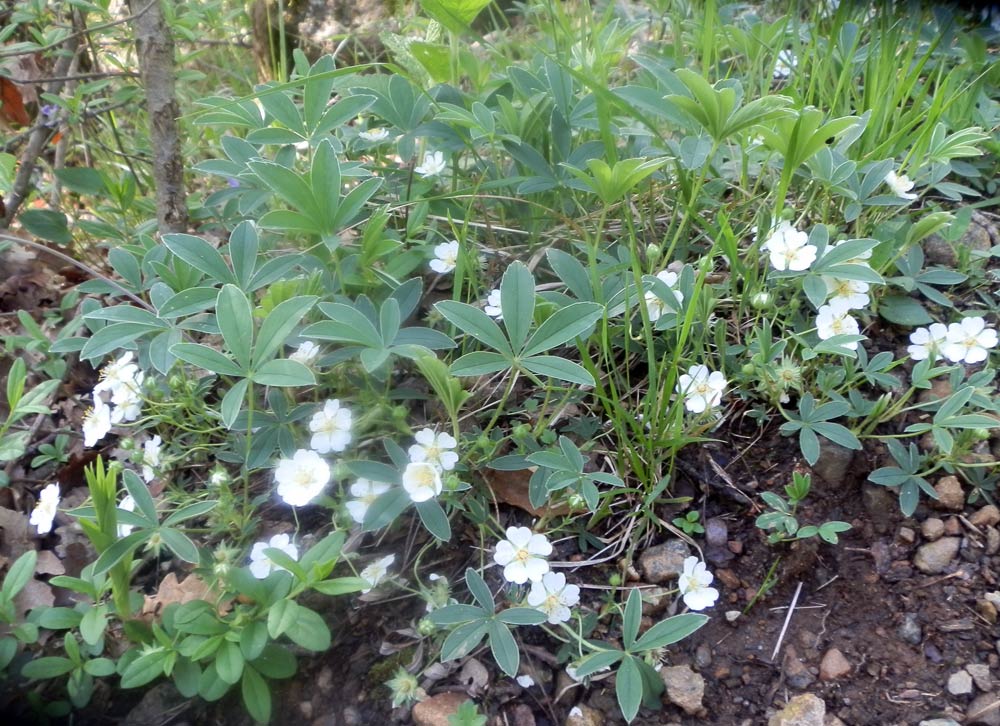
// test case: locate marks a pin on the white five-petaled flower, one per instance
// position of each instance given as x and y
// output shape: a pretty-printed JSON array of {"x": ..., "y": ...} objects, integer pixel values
[
  {"x": 654, "y": 305},
  {"x": 127, "y": 400},
  {"x": 492, "y": 307},
  {"x": 376, "y": 572},
  {"x": 785, "y": 63},
  {"x": 261, "y": 565},
  {"x": 434, "y": 449},
  {"x": 554, "y": 597},
  {"x": 46, "y": 508},
  {"x": 375, "y": 135},
  {"x": 835, "y": 319},
  {"x": 366, "y": 492},
  {"x": 432, "y": 165},
  {"x": 969, "y": 341},
  {"x": 445, "y": 257},
  {"x": 96, "y": 423},
  {"x": 522, "y": 555},
  {"x": 852, "y": 293},
  {"x": 422, "y": 481},
  {"x": 694, "y": 585},
  {"x": 331, "y": 428},
  {"x": 121, "y": 372},
  {"x": 306, "y": 353},
  {"x": 150, "y": 458},
  {"x": 128, "y": 504},
  {"x": 301, "y": 478},
  {"x": 927, "y": 342},
  {"x": 525, "y": 681},
  {"x": 701, "y": 388},
  {"x": 789, "y": 249},
  {"x": 900, "y": 185}
]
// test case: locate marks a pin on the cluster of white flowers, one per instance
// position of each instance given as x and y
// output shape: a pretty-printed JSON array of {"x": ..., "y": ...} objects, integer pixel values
[
  {"x": 261, "y": 565},
  {"x": 122, "y": 381},
  {"x": 694, "y": 585},
  {"x": 432, "y": 164},
  {"x": 702, "y": 389},
  {"x": 430, "y": 457},
  {"x": 656, "y": 307},
  {"x": 45, "y": 511},
  {"x": 968, "y": 341},
  {"x": 445, "y": 257},
  {"x": 522, "y": 555}
]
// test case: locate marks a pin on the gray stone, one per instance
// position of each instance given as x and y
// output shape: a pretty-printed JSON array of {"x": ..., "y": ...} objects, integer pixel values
[
  {"x": 909, "y": 630},
  {"x": 803, "y": 710},
  {"x": 960, "y": 683},
  {"x": 834, "y": 665},
  {"x": 983, "y": 711},
  {"x": 583, "y": 715},
  {"x": 986, "y": 516},
  {"x": 834, "y": 462},
  {"x": 940, "y": 722},
  {"x": 992, "y": 541},
  {"x": 933, "y": 557},
  {"x": 980, "y": 673},
  {"x": 797, "y": 674},
  {"x": 979, "y": 236},
  {"x": 664, "y": 562},
  {"x": 703, "y": 656},
  {"x": 881, "y": 506},
  {"x": 932, "y": 529},
  {"x": 951, "y": 496},
  {"x": 685, "y": 688}
]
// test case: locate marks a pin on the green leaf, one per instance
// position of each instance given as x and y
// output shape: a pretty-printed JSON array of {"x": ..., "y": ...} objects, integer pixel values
[
  {"x": 144, "y": 669},
  {"x": 112, "y": 337},
  {"x": 837, "y": 434},
  {"x": 598, "y": 661},
  {"x": 385, "y": 509},
  {"x": 564, "y": 325},
  {"x": 186, "y": 675},
  {"x": 473, "y": 321},
  {"x": 190, "y": 511},
  {"x": 479, "y": 589},
  {"x": 462, "y": 640},
  {"x": 180, "y": 544},
  {"x": 232, "y": 402},
  {"x": 281, "y": 617},
  {"x": 235, "y": 323},
  {"x": 517, "y": 301},
  {"x": 200, "y": 255},
  {"x": 434, "y": 519},
  {"x": 47, "y": 224},
  {"x": 809, "y": 445},
  {"x": 210, "y": 686},
  {"x": 19, "y": 573},
  {"x": 243, "y": 247},
  {"x": 670, "y": 631},
  {"x": 456, "y": 15},
  {"x": 253, "y": 638},
  {"x": 119, "y": 550},
  {"x": 278, "y": 325},
  {"x": 628, "y": 687},
  {"x": 138, "y": 490},
  {"x": 459, "y": 613},
  {"x": 631, "y": 618},
  {"x": 99, "y": 667},
  {"x": 229, "y": 662},
  {"x": 903, "y": 310},
  {"x": 48, "y": 667},
  {"x": 347, "y": 324},
  {"x": 93, "y": 623},
  {"x": 309, "y": 631},
  {"x": 521, "y": 616},
  {"x": 504, "y": 648},
  {"x": 204, "y": 357},
  {"x": 284, "y": 373},
  {"x": 59, "y": 618},
  {"x": 558, "y": 368},
  {"x": 82, "y": 180},
  {"x": 275, "y": 662},
  {"x": 341, "y": 585},
  {"x": 256, "y": 695},
  {"x": 187, "y": 302},
  {"x": 480, "y": 363}
]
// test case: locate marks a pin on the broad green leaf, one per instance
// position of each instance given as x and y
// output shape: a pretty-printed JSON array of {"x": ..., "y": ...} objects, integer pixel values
[
  {"x": 256, "y": 695},
  {"x": 243, "y": 247},
  {"x": 119, "y": 550},
  {"x": 235, "y": 323},
  {"x": 670, "y": 631},
  {"x": 204, "y": 357},
  {"x": 597, "y": 662},
  {"x": 144, "y": 669},
  {"x": 517, "y": 301},
  {"x": 504, "y": 648},
  {"x": 229, "y": 662},
  {"x": 564, "y": 325},
  {"x": 480, "y": 363},
  {"x": 341, "y": 585},
  {"x": 628, "y": 687},
  {"x": 309, "y": 631},
  {"x": 278, "y": 325},
  {"x": 285, "y": 373},
  {"x": 19, "y": 574},
  {"x": 47, "y": 224},
  {"x": 434, "y": 519},
  {"x": 112, "y": 337},
  {"x": 631, "y": 618},
  {"x": 253, "y": 638},
  {"x": 473, "y": 321},
  {"x": 180, "y": 544},
  {"x": 558, "y": 368},
  {"x": 47, "y": 667},
  {"x": 462, "y": 640},
  {"x": 275, "y": 662},
  {"x": 458, "y": 613},
  {"x": 456, "y": 15},
  {"x": 200, "y": 255},
  {"x": 521, "y": 616},
  {"x": 479, "y": 589},
  {"x": 903, "y": 310},
  {"x": 190, "y": 301},
  {"x": 232, "y": 402},
  {"x": 281, "y": 616}
]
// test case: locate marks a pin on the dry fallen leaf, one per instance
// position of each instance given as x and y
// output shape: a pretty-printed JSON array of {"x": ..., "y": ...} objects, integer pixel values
[
  {"x": 49, "y": 564},
  {"x": 511, "y": 487},
  {"x": 171, "y": 590}
]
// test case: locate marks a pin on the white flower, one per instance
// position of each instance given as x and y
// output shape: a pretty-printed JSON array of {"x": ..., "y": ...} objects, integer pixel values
[
  {"x": 522, "y": 555},
  {"x": 96, "y": 423},
  {"x": 525, "y": 681},
  {"x": 116, "y": 374},
  {"x": 702, "y": 389},
  {"x": 301, "y": 478},
  {"x": 422, "y": 481},
  {"x": 150, "y": 458},
  {"x": 694, "y": 585},
  {"x": 785, "y": 64},
  {"x": 306, "y": 353},
  {"x": 432, "y": 165},
  {"x": 375, "y": 135},
  {"x": 218, "y": 477},
  {"x": 835, "y": 319},
  {"x": 654, "y": 305},
  {"x": 969, "y": 341},
  {"x": 261, "y": 565},
  {"x": 127, "y": 400},
  {"x": 445, "y": 257},
  {"x": 331, "y": 428},
  {"x": 554, "y": 597},
  {"x": 46, "y": 508},
  {"x": 376, "y": 572},
  {"x": 366, "y": 492},
  {"x": 900, "y": 185},
  {"x": 789, "y": 249},
  {"x": 927, "y": 342},
  {"x": 434, "y": 449},
  {"x": 852, "y": 293},
  {"x": 492, "y": 307},
  {"x": 128, "y": 504}
]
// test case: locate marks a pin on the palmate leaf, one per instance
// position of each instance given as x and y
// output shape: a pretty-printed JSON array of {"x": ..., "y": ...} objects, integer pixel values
[{"x": 456, "y": 15}]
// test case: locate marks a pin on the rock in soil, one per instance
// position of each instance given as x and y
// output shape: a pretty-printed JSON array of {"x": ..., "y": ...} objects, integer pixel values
[
  {"x": 932, "y": 529},
  {"x": 797, "y": 674},
  {"x": 804, "y": 710},
  {"x": 950, "y": 494},
  {"x": 685, "y": 688},
  {"x": 436, "y": 710},
  {"x": 983, "y": 711},
  {"x": 980, "y": 673},
  {"x": 910, "y": 630},
  {"x": 960, "y": 683},
  {"x": 582, "y": 715},
  {"x": 834, "y": 462},
  {"x": 987, "y": 610},
  {"x": 834, "y": 665},
  {"x": 157, "y": 701},
  {"x": 664, "y": 562},
  {"x": 933, "y": 557},
  {"x": 986, "y": 517},
  {"x": 940, "y": 722}
]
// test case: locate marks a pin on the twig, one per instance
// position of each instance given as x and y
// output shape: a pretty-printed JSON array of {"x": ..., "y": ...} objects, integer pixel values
[
  {"x": 78, "y": 77},
  {"x": 788, "y": 619}
]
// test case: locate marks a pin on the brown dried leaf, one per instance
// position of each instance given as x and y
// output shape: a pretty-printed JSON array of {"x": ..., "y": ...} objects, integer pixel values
[
  {"x": 49, "y": 564},
  {"x": 511, "y": 487},
  {"x": 171, "y": 590}
]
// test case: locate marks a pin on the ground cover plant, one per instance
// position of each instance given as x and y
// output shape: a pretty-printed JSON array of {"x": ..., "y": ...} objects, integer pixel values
[{"x": 494, "y": 335}]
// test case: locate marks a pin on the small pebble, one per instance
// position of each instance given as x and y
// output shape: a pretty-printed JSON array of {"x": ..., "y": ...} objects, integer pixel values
[
  {"x": 960, "y": 683},
  {"x": 910, "y": 630},
  {"x": 980, "y": 673},
  {"x": 932, "y": 529}
]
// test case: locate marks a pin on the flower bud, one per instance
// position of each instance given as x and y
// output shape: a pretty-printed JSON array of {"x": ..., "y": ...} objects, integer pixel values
[
  {"x": 761, "y": 300},
  {"x": 653, "y": 252},
  {"x": 425, "y": 627}
]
